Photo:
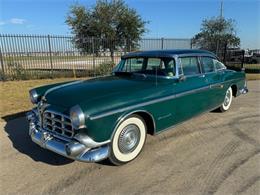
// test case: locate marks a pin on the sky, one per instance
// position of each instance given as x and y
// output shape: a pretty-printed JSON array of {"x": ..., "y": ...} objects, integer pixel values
[{"x": 167, "y": 18}]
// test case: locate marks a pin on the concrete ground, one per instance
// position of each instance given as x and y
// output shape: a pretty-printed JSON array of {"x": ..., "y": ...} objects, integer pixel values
[{"x": 213, "y": 153}]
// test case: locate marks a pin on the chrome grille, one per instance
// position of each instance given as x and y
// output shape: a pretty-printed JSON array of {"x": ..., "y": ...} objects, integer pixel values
[{"x": 58, "y": 123}]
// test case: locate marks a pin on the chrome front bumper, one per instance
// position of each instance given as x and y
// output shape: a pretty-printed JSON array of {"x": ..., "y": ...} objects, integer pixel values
[
  {"x": 243, "y": 90},
  {"x": 85, "y": 151}
]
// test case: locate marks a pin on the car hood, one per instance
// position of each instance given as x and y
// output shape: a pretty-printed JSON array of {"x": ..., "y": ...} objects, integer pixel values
[{"x": 102, "y": 92}]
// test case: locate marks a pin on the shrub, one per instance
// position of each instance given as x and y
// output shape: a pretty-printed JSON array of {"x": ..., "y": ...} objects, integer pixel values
[
  {"x": 18, "y": 72},
  {"x": 105, "y": 68}
]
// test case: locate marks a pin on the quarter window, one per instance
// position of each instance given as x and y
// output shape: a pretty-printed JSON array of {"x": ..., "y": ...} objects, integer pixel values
[
  {"x": 207, "y": 64},
  {"x": 190, "y": 65}
]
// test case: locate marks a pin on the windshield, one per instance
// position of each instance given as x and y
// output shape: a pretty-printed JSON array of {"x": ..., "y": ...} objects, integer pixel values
[{"x": 149, "y": 66}]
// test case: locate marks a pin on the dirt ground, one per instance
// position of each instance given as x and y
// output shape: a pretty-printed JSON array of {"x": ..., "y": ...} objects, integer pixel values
[{"x": 213, "y": 153}]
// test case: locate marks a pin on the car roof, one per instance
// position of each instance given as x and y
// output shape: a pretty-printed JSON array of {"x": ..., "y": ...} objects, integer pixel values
[{"x": 169, "y": 53}]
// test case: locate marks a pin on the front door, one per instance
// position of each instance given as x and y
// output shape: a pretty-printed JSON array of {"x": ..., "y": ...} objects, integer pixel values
[{"x": 192, "y": 92}]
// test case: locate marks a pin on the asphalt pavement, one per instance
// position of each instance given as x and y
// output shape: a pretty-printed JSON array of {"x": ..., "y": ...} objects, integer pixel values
[{"x": 215, "y": 153}]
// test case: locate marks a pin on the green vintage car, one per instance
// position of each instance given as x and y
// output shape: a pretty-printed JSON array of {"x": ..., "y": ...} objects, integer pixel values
[{"x": 147, "y": 93}]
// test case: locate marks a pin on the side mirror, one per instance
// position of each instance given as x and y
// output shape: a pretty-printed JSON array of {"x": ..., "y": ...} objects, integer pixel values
[{"x": 182, "y": 78}]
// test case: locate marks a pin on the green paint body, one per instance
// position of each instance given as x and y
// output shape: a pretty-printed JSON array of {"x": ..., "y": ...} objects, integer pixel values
[{"x": 106, "y": 100}]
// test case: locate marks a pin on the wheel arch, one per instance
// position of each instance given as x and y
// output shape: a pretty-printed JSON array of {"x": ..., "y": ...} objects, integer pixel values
[
  {"x": 234, "y": 89},
  {"x": 145, "y": 115}
]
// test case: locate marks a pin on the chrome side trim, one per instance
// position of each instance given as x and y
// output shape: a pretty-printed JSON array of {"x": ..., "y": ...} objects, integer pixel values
[
  {"x": 60, "y": 86},
  {"x": 97, "y": 116},
  {"x": 148, "y": 103},
  {"x": 217, "y": 85},
  {"x": 131, "y": 107},
  {"x": 192, "y": 91},
  {"x": 177, "y": 124}
]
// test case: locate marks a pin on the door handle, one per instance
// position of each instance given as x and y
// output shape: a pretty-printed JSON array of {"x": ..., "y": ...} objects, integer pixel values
[{"x": 202, "y": 76}]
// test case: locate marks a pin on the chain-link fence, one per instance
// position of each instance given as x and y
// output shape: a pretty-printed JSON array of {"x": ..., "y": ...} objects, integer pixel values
[{"x": 45, "y": 56}]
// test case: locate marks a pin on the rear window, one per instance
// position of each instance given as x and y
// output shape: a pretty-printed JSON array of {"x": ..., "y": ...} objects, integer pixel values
[{"x": 219, "y": 65}]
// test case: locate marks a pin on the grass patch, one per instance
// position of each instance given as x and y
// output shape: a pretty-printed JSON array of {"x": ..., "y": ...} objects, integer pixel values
[
  {"x": 249, "y": 68},
  {"x": 15, "y": 97},
  {"x": 253, "y": 76},
  {"x": 252, "y": 66}
]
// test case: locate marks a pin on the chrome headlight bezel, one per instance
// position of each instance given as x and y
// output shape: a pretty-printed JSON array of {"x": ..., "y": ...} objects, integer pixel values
[
  {"x": 77, "y": 117},
  {"x": 34, "y": 96}
]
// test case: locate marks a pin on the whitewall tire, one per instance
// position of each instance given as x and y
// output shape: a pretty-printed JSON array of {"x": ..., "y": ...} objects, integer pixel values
[
  {"x": 128, "y": 140},
  {"x": 227, "y": 101}
]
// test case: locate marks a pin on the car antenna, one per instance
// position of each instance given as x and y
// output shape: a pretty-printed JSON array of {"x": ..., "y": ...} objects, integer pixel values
[{"x": 156, "y": 76}]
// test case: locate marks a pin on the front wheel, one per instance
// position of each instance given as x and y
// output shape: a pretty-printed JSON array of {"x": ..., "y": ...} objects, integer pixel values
[
  {"x": 128, "y": 140},
  {"x": 227, "y": 101}
]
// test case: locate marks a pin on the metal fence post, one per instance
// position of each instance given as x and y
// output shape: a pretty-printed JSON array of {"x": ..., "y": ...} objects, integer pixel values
[
  {"x": 50, "y": 54},
  {"x": 125, "y": 46},
  {"x": 2, "y": 65},
  {"x": 162, "y": 43},
  {"x": 93, "y": 53}
]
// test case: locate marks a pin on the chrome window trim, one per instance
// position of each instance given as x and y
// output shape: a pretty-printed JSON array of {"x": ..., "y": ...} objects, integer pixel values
[
  {"x": 175, "y": 57},
  {"x": 215, "y": 69},
  {"x": 199, "y": 66},
  {"x": 160, "y": 76}
]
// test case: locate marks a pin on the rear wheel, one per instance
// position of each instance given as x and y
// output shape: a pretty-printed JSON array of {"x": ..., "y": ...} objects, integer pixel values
[
  {"x": 227, "y": 101},
  {"x": 128, "y": 140}
]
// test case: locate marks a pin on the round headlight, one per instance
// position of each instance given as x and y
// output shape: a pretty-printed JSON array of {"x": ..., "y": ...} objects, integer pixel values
[
  {"x": 34, "y": 96},
  {"x": 77, "y": 117}
]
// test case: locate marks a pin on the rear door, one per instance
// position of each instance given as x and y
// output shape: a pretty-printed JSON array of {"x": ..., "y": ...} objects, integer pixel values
[{"x": 213, "y": 79}]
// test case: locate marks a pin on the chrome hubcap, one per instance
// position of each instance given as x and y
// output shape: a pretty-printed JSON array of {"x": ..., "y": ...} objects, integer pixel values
[
  {"x": 227, "y": 98},
  {"x": 129, "y": 139}
]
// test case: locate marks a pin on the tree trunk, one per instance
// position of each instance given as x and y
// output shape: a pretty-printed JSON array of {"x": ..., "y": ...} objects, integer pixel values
[
  {"x": 225, "y": 53},
  {"x": 112, "y": 55}
]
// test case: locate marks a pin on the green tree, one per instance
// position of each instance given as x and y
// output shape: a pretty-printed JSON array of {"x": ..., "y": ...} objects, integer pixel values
[
  {"x": 217, "y": 35},
  {"x": 109, "y": 24}
]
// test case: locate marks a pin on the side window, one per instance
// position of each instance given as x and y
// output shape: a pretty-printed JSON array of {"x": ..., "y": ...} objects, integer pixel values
[
  {"x": 133, "y": 64},
  {"x": 155, "y": 62},
  {"x": 190, "y": 65},
  {"x": 207, "y": 64},
  {"x": 219, "y": 65},
  {"x": 165, "y": 66},
  {"x": 170, "y": 67}
]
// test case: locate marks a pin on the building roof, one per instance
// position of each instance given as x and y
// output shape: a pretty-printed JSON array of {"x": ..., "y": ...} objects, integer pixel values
[{"x": 168, "y": 53}]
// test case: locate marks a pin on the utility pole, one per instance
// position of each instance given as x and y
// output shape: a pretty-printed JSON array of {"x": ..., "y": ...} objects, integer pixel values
[{"x": 221, "y": 9}]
